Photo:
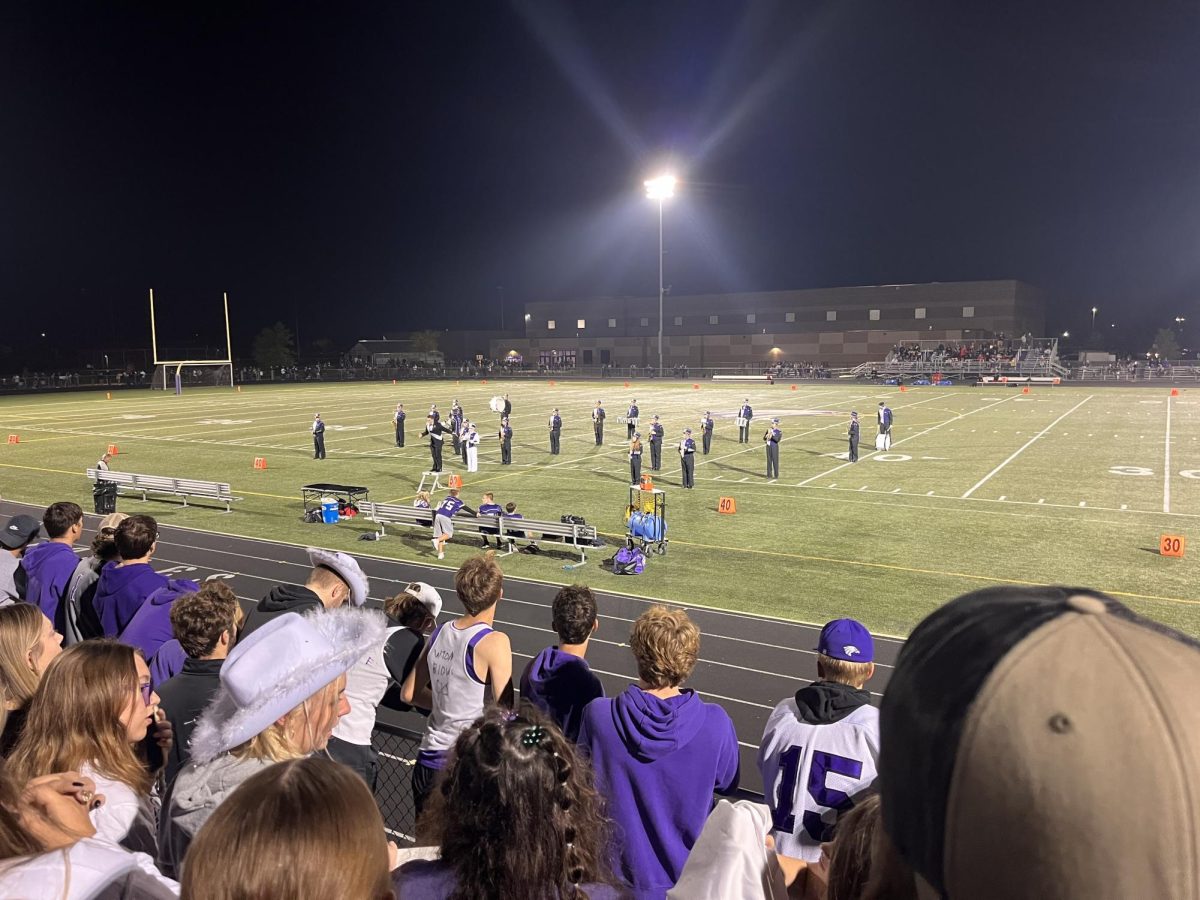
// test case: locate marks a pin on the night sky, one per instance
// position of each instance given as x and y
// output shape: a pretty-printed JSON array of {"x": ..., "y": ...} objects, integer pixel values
[{"x": 361, "y": 168}]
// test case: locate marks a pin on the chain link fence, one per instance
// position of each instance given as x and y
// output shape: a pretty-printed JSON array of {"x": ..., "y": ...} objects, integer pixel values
[{"x": 397, "y": 748}]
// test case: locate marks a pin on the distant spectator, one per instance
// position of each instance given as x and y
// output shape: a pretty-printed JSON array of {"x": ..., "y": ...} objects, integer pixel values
[
  {"x": 305, "y": 829},
  {"x": 15, "y": 539},
  {"x": 820, "y": 748},
  {"x": 80, "y": 619},
  {"x": 28, "y": 643},
  {"x": 1043, "y": 742},
  {"x": 558, "y": 680},
  {"x": 489, "y": 507},
  {"x": 91, "y": 711},
  {"x": 282, "y": 691},
  {"x": 517, "y": 816},
  {"x": 410, "y": 616},
  {"x": 150, "y": 626},
  {"x": 472, "y": 658},
  {"x": 48, "y": 566},
  {"x": 659, "y": 753},
  {"x": 205, "y": 624},
  {"x": 335, "y": 579},
  {"x": 124, "y": 586}
]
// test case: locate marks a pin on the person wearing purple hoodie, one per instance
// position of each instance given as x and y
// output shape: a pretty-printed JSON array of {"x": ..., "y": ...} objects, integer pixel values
[
  {"x": 558, "y": 680},
  {"x": 48, "y": 566},
  {"x": 124, "y": 585},
  {"x": 150, "y": 626},
  {"x": 659, "y": 752}
]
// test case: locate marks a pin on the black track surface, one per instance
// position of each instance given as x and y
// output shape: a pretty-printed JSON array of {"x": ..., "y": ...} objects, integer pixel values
[{"x": 748, "y": 663}]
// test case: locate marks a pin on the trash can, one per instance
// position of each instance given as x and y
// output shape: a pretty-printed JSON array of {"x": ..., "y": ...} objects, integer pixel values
[
  {"x": 329, "y": 510},
  {"x": 104, "y": 497}
]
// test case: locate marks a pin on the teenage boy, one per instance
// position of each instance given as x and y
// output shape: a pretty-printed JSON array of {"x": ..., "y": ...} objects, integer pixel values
[
  {"x": 15, "y": 539},
  {"x": 47, "y": 567},
  {"x": 558, "y": 681},
  {"x": 659, "y": 752},
  {"x": 124, "y": 586},
  {"x": 461, "y": 661},
  {"x": 443, "y": 526},
  {"x": 820, "y": 749},
  {"x": 489, "y": 507},
  {"x": 205, "y": 624}
]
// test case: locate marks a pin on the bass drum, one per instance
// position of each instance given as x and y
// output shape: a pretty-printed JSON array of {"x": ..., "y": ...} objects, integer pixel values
[{"x": 496, "y": 404}]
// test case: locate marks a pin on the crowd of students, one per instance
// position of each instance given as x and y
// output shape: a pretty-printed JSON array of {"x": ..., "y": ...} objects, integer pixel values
[{"x": 229, "y": 755}]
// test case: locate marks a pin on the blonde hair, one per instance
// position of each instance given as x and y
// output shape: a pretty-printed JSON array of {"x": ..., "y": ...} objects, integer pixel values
[
  {"x": 276, "y": 742},
  {"x": 854, "y": 674},
  {"x": 284, "y": 834},
  {"x": 666, "y": 645},
  {"x": 74, "y": 717},
  {"x": 20, "y": 636}
]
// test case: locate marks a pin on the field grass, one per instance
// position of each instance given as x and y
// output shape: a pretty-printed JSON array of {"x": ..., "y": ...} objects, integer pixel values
[{"x": 982, "y": 486}]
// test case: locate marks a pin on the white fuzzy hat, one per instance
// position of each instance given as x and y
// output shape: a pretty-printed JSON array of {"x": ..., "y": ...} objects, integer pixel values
[
  {"x": 346, "y": 568},
  {"x": 277, "y": 667},
  {"x": 427, "y": 595}
]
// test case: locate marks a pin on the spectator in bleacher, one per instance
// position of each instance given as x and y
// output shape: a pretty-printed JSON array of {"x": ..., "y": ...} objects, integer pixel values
[
  {"x": 305, "y": 829},
  {"x": 423, "y": 501},
  {"x": 48, "y": 845},
  {"x": 282, "y": 691},
  {"x": 150, "y": 626},
  {"x": 80, "y": 619},
  {"x": 1043, "y": 742},
  {"x": 28, "y": 643},
  {"x": 820, "y": 749},
  {"x": 558, "y": 680},
  {"x": 15, "y": 539},
  {"x": 411, "y": 615},
  {"x": 516, "y": 816},
  {"x": 335, "y": 579},
  {"x": 124, "y": 585},
  {"x": 510, "y": 512},
  {"x": 90, "y": 713},
  {"x": 489, "y": 507},
  {"x": 659, "y": 753},
  {"x": 206, "y": 625},
  {"x": 47, "y": 567},
  {"x": 472, "y": 658}
]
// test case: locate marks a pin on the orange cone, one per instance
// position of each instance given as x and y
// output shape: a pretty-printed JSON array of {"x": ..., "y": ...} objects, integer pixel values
[
  {"x": 112, "y": 449},
  {"x": 1174, "y": 392}
]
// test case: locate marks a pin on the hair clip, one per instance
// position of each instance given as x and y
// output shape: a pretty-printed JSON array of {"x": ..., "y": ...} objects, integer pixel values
[{"x": 532, "y": 736}]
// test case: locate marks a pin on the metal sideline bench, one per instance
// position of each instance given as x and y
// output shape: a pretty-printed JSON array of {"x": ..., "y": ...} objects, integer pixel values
[
  {"x": 505, "y": 530},
  {"x": 160, "y": 484}
]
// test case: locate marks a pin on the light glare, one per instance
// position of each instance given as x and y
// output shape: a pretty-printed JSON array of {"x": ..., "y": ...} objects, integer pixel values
[{"x": 660, "y": 188}]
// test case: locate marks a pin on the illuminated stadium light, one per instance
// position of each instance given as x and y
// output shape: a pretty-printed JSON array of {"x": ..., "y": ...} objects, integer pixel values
[{"x": 660, "y": 188}]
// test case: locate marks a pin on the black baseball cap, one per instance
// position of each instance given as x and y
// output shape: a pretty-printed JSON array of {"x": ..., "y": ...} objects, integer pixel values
[{"x": 19, "y": 531}]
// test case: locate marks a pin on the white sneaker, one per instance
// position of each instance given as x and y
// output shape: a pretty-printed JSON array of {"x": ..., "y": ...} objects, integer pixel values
[
  {"x": 441, "y": 555},
  {"x": 435, "y": 543}
]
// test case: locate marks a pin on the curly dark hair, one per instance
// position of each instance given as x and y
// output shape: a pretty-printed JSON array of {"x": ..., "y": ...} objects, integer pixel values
[
  {"x": 517, "y": 815},
  {"x": 574, "y": 613}
]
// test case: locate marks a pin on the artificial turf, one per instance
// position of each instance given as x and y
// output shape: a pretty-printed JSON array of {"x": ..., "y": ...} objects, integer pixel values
[{"x": 983, "y": 486}]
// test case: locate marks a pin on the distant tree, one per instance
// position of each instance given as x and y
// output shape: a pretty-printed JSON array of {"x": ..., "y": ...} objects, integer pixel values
[
  {"x": 275, "y": 346},
  {"x": 1166, "y": 344},
  {"x": 424, "y": 341},
  {"x": 323, "y": 345}
]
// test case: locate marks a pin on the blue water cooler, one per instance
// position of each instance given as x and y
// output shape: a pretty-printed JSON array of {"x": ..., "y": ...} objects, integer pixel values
[{"x": 329, "y": 510}]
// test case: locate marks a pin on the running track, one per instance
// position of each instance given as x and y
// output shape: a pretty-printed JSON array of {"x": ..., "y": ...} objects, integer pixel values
[{"x": 748, "y": 663}]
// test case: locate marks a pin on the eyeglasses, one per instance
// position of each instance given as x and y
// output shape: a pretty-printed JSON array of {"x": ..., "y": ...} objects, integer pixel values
[{"x": 146, "y": 690}]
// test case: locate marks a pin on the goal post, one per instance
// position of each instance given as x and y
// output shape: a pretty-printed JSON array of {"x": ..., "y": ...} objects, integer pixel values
[{"x": 190, "y": 371}]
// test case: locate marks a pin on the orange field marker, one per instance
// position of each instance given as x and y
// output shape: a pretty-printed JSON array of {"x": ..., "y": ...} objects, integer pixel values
[
  {"x": 14, "y": 439},
  {"x": 1172, "y": 545},
  {"x": 260, "y": 462},
  {"x": 727, "y": 506}
]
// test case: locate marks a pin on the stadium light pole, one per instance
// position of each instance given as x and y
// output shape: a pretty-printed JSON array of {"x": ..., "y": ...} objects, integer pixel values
[
  {"x": 1094, "y": 311},
  {"x": 660, "y": 189}
]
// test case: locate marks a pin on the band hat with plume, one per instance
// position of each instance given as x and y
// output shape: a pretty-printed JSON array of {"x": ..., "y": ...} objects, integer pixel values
[
  {"x": 346, "y": 568},
  {"x": 277, "y": 667}
]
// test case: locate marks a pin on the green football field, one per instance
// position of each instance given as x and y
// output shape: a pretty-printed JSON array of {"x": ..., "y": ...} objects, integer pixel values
[{"x": 981, "y": 486}]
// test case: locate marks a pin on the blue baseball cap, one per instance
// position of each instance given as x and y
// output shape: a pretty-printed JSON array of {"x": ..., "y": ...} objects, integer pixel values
[{"x": 848, "y": 640}]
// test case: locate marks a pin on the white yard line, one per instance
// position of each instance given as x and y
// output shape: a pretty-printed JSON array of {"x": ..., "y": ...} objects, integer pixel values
[
  {"x": 1167, "y": 462},
  {"x": 986, "y": 478}
]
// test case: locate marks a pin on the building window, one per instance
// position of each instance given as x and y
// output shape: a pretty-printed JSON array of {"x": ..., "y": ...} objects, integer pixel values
[
  {"x": 550, "y": 325},
  {"x": 714, "y": 320},
  {"x": 968, "y": 312},
  {"x": 581, "y": 323},
  {"x": 612, "y": 323},
  {"x": 920, "y": 312},
  {"x": 679, "y": 320},
  {"x": 749, "y": 318},
  {"x": 789, "y": 317},
  {"x": 831, "y": 315},
  {"x": 644, "y": 322},
  {"x": 873, "y": 315}
]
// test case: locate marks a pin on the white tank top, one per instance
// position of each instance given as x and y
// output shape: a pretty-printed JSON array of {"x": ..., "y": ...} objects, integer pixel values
[
  {"x": 457, "y": 689},
  {"x": 366, "y": 684}
]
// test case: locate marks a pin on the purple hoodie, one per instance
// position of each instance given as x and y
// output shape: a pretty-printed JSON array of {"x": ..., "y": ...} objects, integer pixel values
[
  {"x": 560, "y": 685},
  {"x": 658, "y": 763},
  {"x": 121, "y": 590},
  {"x": 48, "y": 568},
  {"x": 167, "y": 663},
  {"x": 150, "y": 626}
]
